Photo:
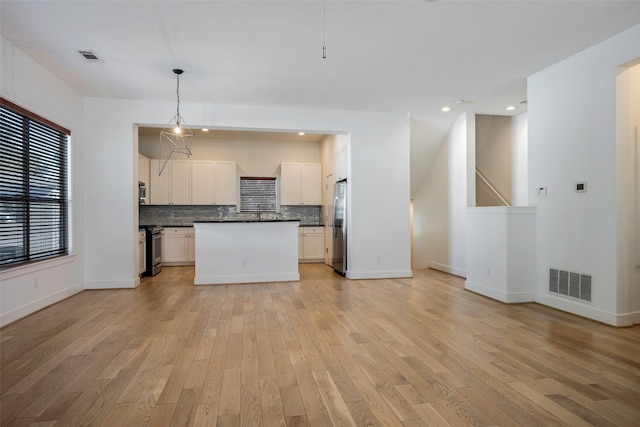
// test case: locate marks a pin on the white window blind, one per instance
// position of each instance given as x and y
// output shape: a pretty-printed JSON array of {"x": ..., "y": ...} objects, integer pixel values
[{"x": 258, "y": 194}]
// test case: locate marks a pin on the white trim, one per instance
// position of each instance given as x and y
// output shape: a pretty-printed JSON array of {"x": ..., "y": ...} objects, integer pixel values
[
  {"x": 112, "y": 284},
  {"x": 581, "y": 309},
  {"x": 399, "y": 274},
  {"x": 448, "y": 269},
  {"x": 506, "y": 297},
  {"x": 21, "y": 270},
  {"x": 249, "y": 278},
  {"x": 502, "y": 210},
  {"x": 39, "y": 304}
]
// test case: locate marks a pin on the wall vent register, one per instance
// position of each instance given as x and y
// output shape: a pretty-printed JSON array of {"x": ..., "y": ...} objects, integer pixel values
[{"x": 571, "y": 284}]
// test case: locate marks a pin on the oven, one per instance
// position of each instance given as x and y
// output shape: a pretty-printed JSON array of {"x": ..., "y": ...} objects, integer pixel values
[{"x": 155, "y": 241}]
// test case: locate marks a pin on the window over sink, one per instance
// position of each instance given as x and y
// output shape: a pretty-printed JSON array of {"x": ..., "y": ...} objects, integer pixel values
[{"x": 258, "y": 194}]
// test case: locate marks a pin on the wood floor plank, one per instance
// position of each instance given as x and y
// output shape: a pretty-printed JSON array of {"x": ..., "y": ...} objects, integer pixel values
[{"x": 322, "y": 351}]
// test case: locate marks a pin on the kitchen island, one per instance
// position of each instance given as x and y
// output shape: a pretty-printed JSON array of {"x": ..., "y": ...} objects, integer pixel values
[{"x": 246, "y": 251}]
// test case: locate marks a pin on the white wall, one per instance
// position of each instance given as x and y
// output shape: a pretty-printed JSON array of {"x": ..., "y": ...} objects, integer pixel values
[
  {"x": 441, "y": 200},
  {"x": 628, "y": 157},
  {"x": 519, "y": 160},
  {"x": 572, "y": 137},
  {"x": 378, "y": 180},
  {"x": 26, "y": 83},
  {"x": 494, "y": 152}
]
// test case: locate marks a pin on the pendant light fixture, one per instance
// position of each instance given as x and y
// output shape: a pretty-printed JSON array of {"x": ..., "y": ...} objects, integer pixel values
[
  {"x": 177, "y": 136},
  {"x": 324, "y": 30}
]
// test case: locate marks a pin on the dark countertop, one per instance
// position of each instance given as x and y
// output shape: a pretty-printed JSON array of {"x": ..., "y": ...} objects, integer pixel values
[
  {"x": 142, "y": 227},
  {"x": 248, "y": 220}
]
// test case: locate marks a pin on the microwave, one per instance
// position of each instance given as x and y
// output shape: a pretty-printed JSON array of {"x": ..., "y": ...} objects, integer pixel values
[{"x": 142, "y": 192}]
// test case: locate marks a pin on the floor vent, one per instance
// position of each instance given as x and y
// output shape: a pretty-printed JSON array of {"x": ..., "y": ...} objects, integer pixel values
[{"x": 574, "y": 285}]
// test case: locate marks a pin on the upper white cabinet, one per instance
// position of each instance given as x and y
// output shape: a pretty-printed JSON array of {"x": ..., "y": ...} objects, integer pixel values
[
  {"x": 225, "y": 183},
  {"x": 143, "y": 169},
  {"x": 202, "y": 179},
  {"x": 159, "y": 185},
  {"x": 213, "y": 182},
  {"x": 301, "y": 184},
  {"x": 180, "y": 182},
  {"x": 340, "y": 164},
  {"x": 197, "y": 182}
]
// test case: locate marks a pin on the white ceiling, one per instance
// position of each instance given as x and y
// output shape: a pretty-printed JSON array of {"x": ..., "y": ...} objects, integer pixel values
[{"x": 398, "y": 56}]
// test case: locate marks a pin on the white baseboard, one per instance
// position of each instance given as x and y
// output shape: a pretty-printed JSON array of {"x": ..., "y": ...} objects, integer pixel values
[
  {"x": 394, "y": 274},
  {"x": 447, "y": 269},
  {"x": 248, "y": 278},
  {"x": 585, "y": 310},
  {"x": 39, "y": 304},
  {"x": 506, "y": 297},
  {"x": 112, "y": 284}
]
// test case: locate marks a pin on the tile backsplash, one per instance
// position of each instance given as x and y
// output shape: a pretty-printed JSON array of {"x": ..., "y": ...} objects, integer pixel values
[{"x": 176, "y": 215}]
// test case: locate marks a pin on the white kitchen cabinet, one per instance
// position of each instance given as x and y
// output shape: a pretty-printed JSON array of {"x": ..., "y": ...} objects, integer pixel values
[
  {"x": 225, "y": 183},
  {"x": 159, "y": 190},
  {"x": 340, "y": 164},
  {"x": 180, "y": 182},
  {"x": 179, "y": 246},
  {"x": 143, "y": 170},
  {"x": 212, "y": 182},
  {"x": 311, "y": 244},
  {"x": 142, "y": 252},
  {"x": 301, "y": 184},
  {"x": 202, "y": 182}
]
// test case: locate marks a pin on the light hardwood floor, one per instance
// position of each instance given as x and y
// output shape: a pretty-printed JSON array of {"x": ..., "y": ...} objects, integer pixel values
[{"x": 323, "y": 351}]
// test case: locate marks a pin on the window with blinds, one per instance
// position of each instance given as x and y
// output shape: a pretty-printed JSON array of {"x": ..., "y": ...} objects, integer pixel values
[
  {"x": 258, "y": 194},
  {"x": 33, "y": 187}
]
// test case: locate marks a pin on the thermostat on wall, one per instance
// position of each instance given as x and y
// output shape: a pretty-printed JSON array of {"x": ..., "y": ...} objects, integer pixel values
[{"x": 581, "y": 187}]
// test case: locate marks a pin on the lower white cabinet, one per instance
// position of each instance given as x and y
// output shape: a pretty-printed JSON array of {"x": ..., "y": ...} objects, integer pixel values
[
  {"x": 142, "y": 251},
  {"x": 311, "y": 244},
  {"x": 179, "y": 246}
]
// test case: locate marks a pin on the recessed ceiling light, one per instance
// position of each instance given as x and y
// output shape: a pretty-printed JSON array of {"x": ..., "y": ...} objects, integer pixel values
[
  {"x": 445, "y": 109},
  {"x": 511, "y": 108},
  {"x": 300, "y": 133},
  {"x": 205, "y": 130}
]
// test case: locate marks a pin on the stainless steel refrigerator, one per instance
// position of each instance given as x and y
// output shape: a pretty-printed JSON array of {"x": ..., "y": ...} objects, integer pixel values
[{"x": 339, "y": 260}]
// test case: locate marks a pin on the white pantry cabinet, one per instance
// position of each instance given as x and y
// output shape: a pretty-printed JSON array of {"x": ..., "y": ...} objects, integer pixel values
[
  {"x": 179, "y": 246},
  {"x": 301, "y": 184},
  {"x": 311, "y": 244}
]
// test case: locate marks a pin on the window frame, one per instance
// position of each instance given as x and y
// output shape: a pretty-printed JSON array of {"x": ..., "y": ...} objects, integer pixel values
[{"x": 53, "y": 208}]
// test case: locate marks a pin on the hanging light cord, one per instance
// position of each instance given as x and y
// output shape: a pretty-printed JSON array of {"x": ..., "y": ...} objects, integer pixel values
[
  {"x": 324, "y": 30},
  {"x": 178, "y": 72}
]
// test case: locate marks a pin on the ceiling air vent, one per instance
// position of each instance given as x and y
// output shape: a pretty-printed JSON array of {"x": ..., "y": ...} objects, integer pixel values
[{"x": 90, "y": 56}]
